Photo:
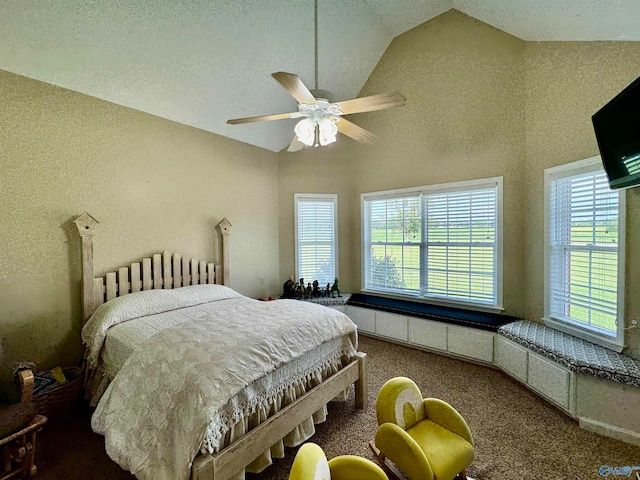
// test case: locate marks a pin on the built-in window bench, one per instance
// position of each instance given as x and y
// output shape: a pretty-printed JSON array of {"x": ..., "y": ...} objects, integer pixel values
[
  {"x": 598, "y": 387},
  {"x": 454, "y": 331}
]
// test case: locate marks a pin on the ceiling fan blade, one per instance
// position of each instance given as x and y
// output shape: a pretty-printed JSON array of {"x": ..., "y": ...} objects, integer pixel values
[
  {"x": 276, "y": 116},
  {"x": 354, "y": 131},
  {"x": 295, "y": 145},
  {"x": 372, "y": 103},
  {"x": 295, "y": 87}
]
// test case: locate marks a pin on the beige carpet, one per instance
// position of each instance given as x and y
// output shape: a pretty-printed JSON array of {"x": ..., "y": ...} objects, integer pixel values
[{"x": 517, "y": 435}]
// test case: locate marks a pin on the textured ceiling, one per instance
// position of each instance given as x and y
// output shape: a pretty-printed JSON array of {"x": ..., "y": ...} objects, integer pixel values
[{"x": 201, "y": 62}]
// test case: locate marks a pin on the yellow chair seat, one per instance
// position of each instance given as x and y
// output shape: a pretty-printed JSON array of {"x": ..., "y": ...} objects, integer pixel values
[
  {"x": 448, "y": 453},
  {"x": 352, "y": 467}
]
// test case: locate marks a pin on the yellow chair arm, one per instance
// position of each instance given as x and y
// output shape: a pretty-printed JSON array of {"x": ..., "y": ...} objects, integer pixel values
[
  {"x": 401, "y": 449},
  {"x": 350, "y": 467},
  {"x": 446, "y": 416},
  {"x": 310, "y": 462}
]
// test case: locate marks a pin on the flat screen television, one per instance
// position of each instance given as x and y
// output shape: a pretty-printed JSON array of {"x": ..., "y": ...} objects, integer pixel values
[{"x": 617, "y": 127}]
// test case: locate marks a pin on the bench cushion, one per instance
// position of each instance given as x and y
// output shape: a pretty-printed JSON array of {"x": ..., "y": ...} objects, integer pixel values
[
  {"x": 457, "y": 316},
  {"x": 576, "y": 354}
]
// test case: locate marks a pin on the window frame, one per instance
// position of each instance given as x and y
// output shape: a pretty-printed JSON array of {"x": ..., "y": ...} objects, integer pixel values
[
  {"x": 318, "y": 197},
  {"x": 461, "y": 186},
  {"x": 616, "y": 343}
]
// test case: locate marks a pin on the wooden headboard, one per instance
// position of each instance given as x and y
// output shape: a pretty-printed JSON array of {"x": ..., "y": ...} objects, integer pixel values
[{"x": 161, "y": 271}]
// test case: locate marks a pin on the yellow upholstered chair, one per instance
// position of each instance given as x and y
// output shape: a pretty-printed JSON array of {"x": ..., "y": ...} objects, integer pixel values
[
  {"x": 426, "y": 439},
  {"x": 311, "y": 464}
]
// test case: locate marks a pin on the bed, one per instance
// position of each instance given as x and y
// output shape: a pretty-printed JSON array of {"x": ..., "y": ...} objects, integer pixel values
[{"x": 177, "y": 394}]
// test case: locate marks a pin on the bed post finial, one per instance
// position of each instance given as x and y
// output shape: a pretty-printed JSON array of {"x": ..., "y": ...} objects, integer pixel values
[
  {"x": 86, "y": 225},
  {"x": 225, "y": 228}
]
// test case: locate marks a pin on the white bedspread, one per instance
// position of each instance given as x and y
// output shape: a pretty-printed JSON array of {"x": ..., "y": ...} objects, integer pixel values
[
  {"x": 143, "y": 304},
  {"x": 172, "y": 395},
  {"x": 124, "y": 338}
]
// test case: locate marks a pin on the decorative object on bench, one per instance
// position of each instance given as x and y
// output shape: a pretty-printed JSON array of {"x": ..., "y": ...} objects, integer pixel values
[
  {"x": 18, "y": 426},
  {"x": 312, "y": 290},
  {"x": 55, "y": 397},
  {"x": 427, "y": 439},
  {"x": 289, "y": 289},
  {"x": 335, "y": 288},
  {"x": 311, "y": 463}
]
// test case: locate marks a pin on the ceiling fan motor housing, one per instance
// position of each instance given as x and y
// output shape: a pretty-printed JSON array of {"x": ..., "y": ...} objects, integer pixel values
[{"x": 319, "y": 110}]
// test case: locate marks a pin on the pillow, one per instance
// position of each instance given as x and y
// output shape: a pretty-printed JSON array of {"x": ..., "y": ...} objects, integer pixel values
[{"x": 140, "y": 304}]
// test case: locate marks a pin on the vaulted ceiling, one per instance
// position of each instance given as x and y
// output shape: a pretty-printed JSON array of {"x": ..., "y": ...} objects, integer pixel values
[{"x": 202, "y": 62}]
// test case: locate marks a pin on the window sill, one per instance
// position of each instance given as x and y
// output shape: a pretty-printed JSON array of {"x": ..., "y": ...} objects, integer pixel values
[{"x": 617, "y": 345}]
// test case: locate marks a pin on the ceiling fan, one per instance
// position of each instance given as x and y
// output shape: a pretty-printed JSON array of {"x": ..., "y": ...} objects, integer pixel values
[{"x": 321, "y": 119}]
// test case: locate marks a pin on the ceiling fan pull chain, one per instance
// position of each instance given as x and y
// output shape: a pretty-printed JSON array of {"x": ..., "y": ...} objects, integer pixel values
[{"x": 315, "y": 23}]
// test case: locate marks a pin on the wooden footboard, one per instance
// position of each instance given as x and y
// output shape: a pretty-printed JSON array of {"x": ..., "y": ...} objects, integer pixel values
[{"x": 242, "y": 452}]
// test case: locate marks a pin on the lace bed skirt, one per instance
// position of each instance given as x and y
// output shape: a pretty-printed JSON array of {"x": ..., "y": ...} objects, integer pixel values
[{"x": 259, "y": 401}]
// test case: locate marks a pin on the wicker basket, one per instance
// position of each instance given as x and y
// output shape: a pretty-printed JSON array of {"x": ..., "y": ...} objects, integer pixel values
[{"x": 63, "y": 399}]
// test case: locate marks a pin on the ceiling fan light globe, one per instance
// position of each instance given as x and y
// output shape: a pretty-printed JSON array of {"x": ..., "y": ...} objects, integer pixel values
[
  {"x": 328, "y": 131},
  {"x": 305, "y": 130}
]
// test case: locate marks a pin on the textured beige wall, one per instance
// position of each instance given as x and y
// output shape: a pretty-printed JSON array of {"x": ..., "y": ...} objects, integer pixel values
[
  {"x": 566, "y": 83},
  {"x": 330, "y": 169},
  {"x": 480, "y": 103},
  {"x": 151, "y": 183},
  {"x": 463, "y": 120}
]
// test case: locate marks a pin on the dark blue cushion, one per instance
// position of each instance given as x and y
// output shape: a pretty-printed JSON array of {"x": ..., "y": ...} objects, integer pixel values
[{"x": 457, "y": 316}]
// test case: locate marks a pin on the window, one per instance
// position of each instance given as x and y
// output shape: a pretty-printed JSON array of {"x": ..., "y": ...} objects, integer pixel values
[
  {"x": 584, "y": 253},
  {"x": 442, "y": 243},
  {"x": 316, "y": 237}
]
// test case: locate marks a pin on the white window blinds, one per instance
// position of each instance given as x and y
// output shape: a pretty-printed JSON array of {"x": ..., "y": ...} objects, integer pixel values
[
  {"x": 461, "y": 245},
  {"x": 393, "y": 259},
  {"x": 440, "y": 242},
  {"x": 316, "y": 234},
  {"x": 583, "y": 252}
]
